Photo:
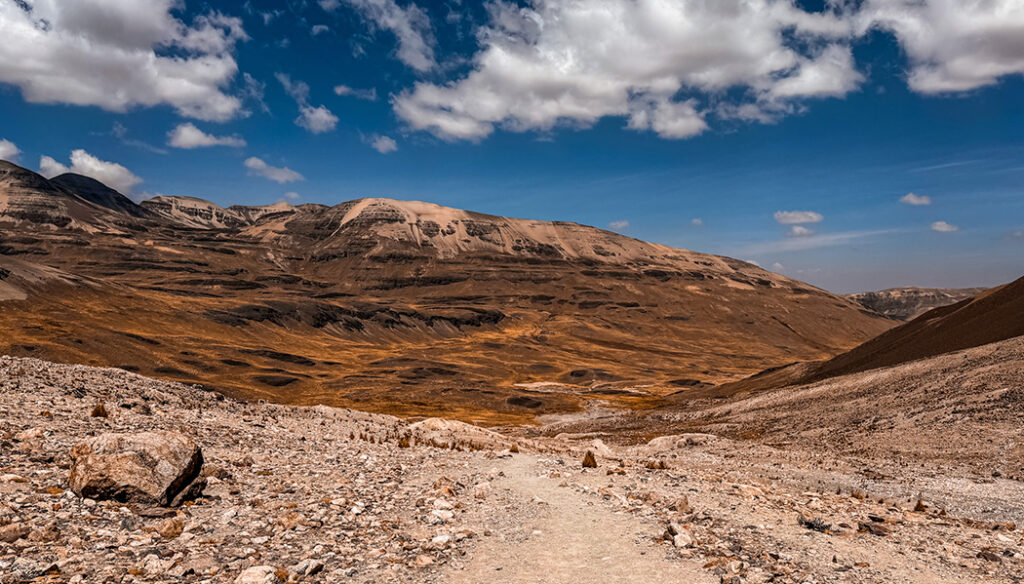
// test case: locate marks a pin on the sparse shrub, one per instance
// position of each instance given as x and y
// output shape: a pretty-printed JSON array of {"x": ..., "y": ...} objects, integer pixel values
[
  {"x": 589, "y": 461},
  {"x": 99, "y": 411},
  {"x": 815, "y": 523},
  {"x": 514, "y": 449}
]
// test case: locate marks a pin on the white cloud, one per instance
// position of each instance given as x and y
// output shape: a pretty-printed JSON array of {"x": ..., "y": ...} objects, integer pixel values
[
  {"x": 319, "y": 29},
  {"x": 252, "y": 91},
  {"x": 8, "y": 151},
  {"x": 811, "y": 242},
  {"x": 697, "y": 222},
  {"x": 111, "y": 174},
  {"x": 329, "y": 5},
  {"x": 367, "y": 94},
  {"x": 952, "y": 45},
  {"x": 121, "y": 54},
  {"x": 291, "y": 196},
  {"x": 832, "y": 73},
  {"x": 912, "y": 199},
  {"x": 317, "y": 120},
  {"x": 188, "y": 136},
  {"x": 298, "y": 90},
  {"x": 800, "y": 231},
  {"x": 943, "y": 227},
  {"x": 777, "y": 266},
  {"x": 575, "y": 62},
  {"x": 410, "y": 25},
  {"x": 383, "y": 144},
  {"x": 618, "y": 225},
  {"x": 669, "y": 66},
  {"x": 280, "y": 175},
  {"x": 794, "y": 217}
]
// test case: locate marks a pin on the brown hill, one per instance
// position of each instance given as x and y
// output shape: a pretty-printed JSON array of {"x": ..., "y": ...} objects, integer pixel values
[
  {"x": 907, "y": 303},
  {"x": 394, "y": 306},
  {"x": 994, "y": 315}
]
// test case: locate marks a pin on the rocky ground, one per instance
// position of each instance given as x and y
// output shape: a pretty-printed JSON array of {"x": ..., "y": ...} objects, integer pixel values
[{"x": 327, "y": 495}]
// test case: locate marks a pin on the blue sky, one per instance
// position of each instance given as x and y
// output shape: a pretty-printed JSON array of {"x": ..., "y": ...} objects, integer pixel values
[{"x": 790, "y": 134}]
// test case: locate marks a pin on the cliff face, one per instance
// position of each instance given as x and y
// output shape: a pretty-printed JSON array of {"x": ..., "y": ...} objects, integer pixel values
[{"x": 907, "y": 303}]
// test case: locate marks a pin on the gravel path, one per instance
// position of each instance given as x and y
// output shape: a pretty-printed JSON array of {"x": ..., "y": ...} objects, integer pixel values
[{"x": 570, "y": 540}]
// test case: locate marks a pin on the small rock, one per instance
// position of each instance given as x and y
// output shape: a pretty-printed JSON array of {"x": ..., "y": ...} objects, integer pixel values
[
  {"x": 258, "y": 575},
  {"x": 13, "y": 532},
  {"x": 170, "y": 528}
]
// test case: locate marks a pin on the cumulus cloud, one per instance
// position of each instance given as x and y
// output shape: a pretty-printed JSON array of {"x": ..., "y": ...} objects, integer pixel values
[
  {"x": 291, "y": 196},
  {"x": 382, "y": 144},
  {"x": 120, "y": 55},
  {"x": 575, "y": 62},
  {"x": 795, "y": 217},
  {"x": 111, "y": 174},
  {"x": 697, "y": 222},
  {"x": 8, "y": 151},
  {"x": 410, "y": 25},
  {"x": 952, "y": 46},
  {"x": 317, "y": 120},
  {"x": 281, "y": 175},
  {"x": 618, "y": 225},
  {"x": 800, "y": 231},
  {"x": 912, "y": 199},
  {"x": 943, "y": 227},
  {"x": 319, "y": 29},
  {"x": 671, "y": 66},
  {"x": 366, "y": 94},
  {"x": 188, "y": 136}
]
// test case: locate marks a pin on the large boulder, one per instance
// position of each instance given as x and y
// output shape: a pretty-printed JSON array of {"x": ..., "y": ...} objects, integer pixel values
[{"x": 152, "y": 468}]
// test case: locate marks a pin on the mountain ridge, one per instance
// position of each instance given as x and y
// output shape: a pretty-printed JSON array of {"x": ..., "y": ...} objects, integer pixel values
[{"x": 399, "y": 307}]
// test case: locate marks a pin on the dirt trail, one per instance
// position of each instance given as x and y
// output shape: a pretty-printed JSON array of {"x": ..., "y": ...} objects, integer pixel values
[{"x": 568, "y": 539}]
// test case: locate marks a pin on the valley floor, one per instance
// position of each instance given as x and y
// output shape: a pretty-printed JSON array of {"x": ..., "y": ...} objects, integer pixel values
[{"x": 325, "y": 495}]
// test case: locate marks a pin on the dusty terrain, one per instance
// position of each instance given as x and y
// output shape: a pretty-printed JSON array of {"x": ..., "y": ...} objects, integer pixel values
[
  {"x": 907, "y": 303},
  {"x": 994, "y": 315},
  {"x": 318, "y": 494},
  {"x": 397, "y": 307}
]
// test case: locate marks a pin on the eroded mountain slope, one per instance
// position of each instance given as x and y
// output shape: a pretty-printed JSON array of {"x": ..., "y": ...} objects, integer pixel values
[{"x": 400, "y": 307}]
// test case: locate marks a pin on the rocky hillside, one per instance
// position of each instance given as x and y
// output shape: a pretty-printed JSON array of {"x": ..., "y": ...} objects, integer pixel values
[
  {"x": 317, "y": 494},
  {"x": 907, "y": 303},
  {"x": 394, "y": 306}
]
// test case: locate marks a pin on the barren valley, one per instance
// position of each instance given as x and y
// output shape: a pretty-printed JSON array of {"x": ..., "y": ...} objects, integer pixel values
[{"x": 392, "y": 391}]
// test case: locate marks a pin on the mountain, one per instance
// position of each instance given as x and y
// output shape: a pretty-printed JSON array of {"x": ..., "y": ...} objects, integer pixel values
[
  {"x": 994, "y": 315},
  {"x": 72, "y": 202},
  {"x": 907, "y": 303},
  {"x": 398, "y": 306}
]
